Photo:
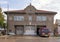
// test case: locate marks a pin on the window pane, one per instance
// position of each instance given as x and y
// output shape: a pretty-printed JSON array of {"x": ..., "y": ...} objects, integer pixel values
[
  {"x": 18, "y": 18},
  {"x": 38, "y": 18},
  {"x": 44, "y": 18},
  {"x": 30, "y": 18},
  {"x": 41, "y": 18},
  {"x": 15, "y": 18}
]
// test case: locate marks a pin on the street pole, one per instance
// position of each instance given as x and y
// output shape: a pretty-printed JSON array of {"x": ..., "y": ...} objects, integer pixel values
[{"x": 7, "y": 16}]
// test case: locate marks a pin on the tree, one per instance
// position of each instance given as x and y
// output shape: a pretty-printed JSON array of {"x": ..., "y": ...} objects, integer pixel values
[{"x": 1, "y": 18}]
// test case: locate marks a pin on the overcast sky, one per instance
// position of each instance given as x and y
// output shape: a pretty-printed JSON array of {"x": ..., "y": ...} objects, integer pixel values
[{"x": 50, "y": 5}]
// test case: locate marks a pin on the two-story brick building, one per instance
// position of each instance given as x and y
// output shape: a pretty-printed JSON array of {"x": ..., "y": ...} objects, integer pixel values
[{"x": 27, "y": 21}]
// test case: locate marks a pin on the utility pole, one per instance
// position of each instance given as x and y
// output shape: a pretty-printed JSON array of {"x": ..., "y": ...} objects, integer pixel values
[{"x": 7, "y": 17}]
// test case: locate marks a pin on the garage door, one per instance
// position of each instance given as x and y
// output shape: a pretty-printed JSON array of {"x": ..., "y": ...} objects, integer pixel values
[
  {"x": 19, "y": 30},
  {"x": 29, "y": 30}
]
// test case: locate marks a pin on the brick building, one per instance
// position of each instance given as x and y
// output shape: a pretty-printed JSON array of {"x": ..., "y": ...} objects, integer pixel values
[{"x": 27, "y": 21}]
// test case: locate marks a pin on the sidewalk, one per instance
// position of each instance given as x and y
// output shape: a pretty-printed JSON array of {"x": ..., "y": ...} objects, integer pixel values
[{"x": 26, "y": 39}]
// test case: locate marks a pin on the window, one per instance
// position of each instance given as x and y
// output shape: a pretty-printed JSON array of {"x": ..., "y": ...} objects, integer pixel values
[
  {"x": 38, "y": 18},
  {"x": 41, "y": 18},
  {"x": 44, "y": 18},
  {"x": 30, "y": 18},
  {"x": 18, "y": 18}
]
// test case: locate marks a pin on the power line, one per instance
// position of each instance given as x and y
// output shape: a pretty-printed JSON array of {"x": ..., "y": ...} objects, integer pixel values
[{"x": 8, "y": 7}]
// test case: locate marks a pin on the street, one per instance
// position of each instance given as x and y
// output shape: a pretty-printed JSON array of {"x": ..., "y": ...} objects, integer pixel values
[{"x": 29, "y": 39}]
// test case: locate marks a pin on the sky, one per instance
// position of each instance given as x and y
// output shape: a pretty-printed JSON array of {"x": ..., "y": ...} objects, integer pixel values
[{"x": 50, "y": 5}]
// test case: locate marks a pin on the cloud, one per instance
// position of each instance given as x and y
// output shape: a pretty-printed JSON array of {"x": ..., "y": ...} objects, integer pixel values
[
  {"x": 6, "y": 9},
  {"x": 3, "y": 2},
  {"x": 47, "y": 4},
  {"x": 40, "y": 3},
  {"x": 55, "y": 5}
]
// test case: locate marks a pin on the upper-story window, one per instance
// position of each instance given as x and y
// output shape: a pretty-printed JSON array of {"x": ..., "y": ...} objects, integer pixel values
[
  {"x": 18, "y": 18},
  {"x": 30, "y": 18},
  {"x": 38, "y": 18},
  {"x": 44, "y": 18},
  {"x": 41, "y": 18}
]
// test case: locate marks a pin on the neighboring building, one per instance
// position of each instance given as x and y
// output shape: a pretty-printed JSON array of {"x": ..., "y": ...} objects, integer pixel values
[
  {"x": 27, "y": 21},
  {"x": 57, "y": 25}
]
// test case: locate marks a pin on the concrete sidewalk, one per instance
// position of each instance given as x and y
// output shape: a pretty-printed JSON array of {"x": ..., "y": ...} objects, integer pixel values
[{"x": 28, "y": 39}]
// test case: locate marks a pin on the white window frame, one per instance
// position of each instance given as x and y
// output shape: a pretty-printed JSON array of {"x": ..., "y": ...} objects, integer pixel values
[
  {"x": 44, "y": 18},
  {"x": 41, "y": 18},
  {"x": 38, "y": 18},
  {"x": 30, "y": 18},
  {"x": 18, "y": 18}
]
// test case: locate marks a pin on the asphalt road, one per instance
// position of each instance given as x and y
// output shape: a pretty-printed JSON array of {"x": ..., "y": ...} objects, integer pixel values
[{"x": 29, "y": 39}]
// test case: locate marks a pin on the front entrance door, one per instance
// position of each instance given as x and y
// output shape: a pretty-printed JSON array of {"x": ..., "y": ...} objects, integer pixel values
[
  {"x": 19, "y": 30},
  {"x": 29, "y": 30}
]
